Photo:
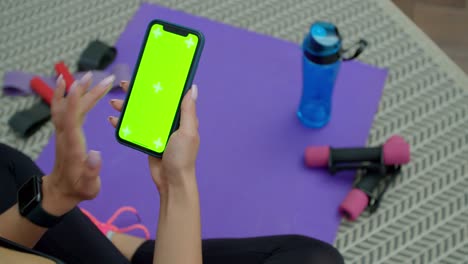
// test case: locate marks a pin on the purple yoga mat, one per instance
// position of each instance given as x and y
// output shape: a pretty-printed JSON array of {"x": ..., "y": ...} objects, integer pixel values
[{"x": 250, "y": 170}]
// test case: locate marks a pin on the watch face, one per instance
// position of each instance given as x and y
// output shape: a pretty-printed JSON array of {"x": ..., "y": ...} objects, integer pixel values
[{"x": 28, "y": 196}]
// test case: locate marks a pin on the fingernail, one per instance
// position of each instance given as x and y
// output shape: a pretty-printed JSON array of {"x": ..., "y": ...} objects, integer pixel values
[
  {"x": 122, "y": 83},
  {"x": 59, "y": 79},
  {"x": 112, "y": 102},
  {"x": 86, "y": 78},
  {"x": 110, "y": 118},
  {"x": 107, "y": 81},
  {"x": 194, "y": 92},
  {"x": 73, "y": 86},
  {"x": 94, "y": 159}
]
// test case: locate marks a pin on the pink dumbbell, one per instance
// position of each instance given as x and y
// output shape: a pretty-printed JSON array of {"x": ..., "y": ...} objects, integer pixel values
[
  {"x": 354, "y": 204},
  {"x": 395, "y": 151},
  {"x": 365, "y": 193},
  {"x": 375, "y": 165}
]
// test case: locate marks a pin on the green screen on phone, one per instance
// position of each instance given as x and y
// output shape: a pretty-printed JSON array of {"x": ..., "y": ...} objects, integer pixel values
[{"x": 157, "y": 88}]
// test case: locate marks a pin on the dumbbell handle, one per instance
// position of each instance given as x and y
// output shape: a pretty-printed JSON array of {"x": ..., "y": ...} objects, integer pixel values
[
  {"x": 368, "y": 183},
  {"x": 349, "y": 155},
  {"x": 395, "y": 151}
]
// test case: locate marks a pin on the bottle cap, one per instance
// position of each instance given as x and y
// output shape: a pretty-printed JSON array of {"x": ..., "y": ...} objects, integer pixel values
[{"x": 323, "y": 42}]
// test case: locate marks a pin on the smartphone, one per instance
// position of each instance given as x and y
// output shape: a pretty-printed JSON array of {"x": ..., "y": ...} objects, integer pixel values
[{"x": 163, "y": 74}]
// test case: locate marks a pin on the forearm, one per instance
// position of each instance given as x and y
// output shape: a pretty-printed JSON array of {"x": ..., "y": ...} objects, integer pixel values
[
  {"x": 18, "y": 229},
  {"x": 179, "y": 230},
  {"x": 15, "y": 227},
  {"x": 11, "y": 256}
]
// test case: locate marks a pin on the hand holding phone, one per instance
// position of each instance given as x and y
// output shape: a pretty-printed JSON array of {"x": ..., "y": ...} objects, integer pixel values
[
  {"x": 174, "y": 176},
  {"x": 163, "y": 74},
  {"x": 178, "y": 164}
]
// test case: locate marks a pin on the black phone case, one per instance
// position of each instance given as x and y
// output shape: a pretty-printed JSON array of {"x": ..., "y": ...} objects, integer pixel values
[{"x": 188, "y": 82}]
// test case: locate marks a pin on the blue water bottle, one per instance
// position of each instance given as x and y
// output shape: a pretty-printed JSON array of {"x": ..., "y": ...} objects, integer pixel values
[{"x": 320, "y": 65}]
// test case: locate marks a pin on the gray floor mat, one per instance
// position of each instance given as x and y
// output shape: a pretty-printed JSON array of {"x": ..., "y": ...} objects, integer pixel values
[{"x": 424, "y": 217}]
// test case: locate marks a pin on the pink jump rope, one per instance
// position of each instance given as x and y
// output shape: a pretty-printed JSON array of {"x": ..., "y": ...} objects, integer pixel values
[{"x": 108, "y": 227}]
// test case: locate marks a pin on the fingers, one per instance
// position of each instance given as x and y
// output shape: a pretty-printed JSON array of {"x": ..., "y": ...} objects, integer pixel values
[
  {"x": 113, "y": 120},
  {"x": 155, "y": 165},
  {"x": 124, "y": 85},
  {"x": 92, "y": 97},
  {"x": 188, "y": 117},
  {"x": 117, "y": 104},
  {"x": 93, "y": 161},
  {"x": 59, "y": 91},
  {"x": 56, "y": 106},
  {"x": 85, "y": 82},
  {"x": 72, "y": 109},
  {"x": 80, "y": 87},
  {"x": 74, "y": 113},
  {"x": 93, "y": 165}
]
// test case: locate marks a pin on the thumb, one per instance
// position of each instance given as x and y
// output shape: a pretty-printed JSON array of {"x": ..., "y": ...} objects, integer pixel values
[
  {"x": 93, "y": 164},
  {"x": 188, "y": 112}
]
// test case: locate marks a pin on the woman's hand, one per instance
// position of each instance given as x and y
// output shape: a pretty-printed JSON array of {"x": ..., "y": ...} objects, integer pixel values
[
  {"x": 75, "y": 176},
  {"x": 177, "y": 167},
  {"x": 179, "y": 228}
]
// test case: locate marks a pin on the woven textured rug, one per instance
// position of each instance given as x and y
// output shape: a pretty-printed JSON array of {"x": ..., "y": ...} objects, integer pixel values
[{"x": 424, "y": 216}]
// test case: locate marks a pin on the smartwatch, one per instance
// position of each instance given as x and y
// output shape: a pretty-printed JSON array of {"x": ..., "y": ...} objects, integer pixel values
[{"x": 29, "y": 203}]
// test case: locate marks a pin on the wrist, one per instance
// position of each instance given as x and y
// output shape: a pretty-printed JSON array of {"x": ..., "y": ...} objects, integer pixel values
[
  {"x": 169, "y": 178},
  {"x": 184, "y": 191},
  {"x": 55, "y": 202}
]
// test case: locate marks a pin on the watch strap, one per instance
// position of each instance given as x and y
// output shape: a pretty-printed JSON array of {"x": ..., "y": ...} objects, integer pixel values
[
  {"x": 42, "y": 218},
  {"x": 38, "y": 215}
]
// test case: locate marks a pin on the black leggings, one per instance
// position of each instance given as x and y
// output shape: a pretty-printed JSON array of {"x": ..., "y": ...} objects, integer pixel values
[{"x": 77, "y": 240}]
